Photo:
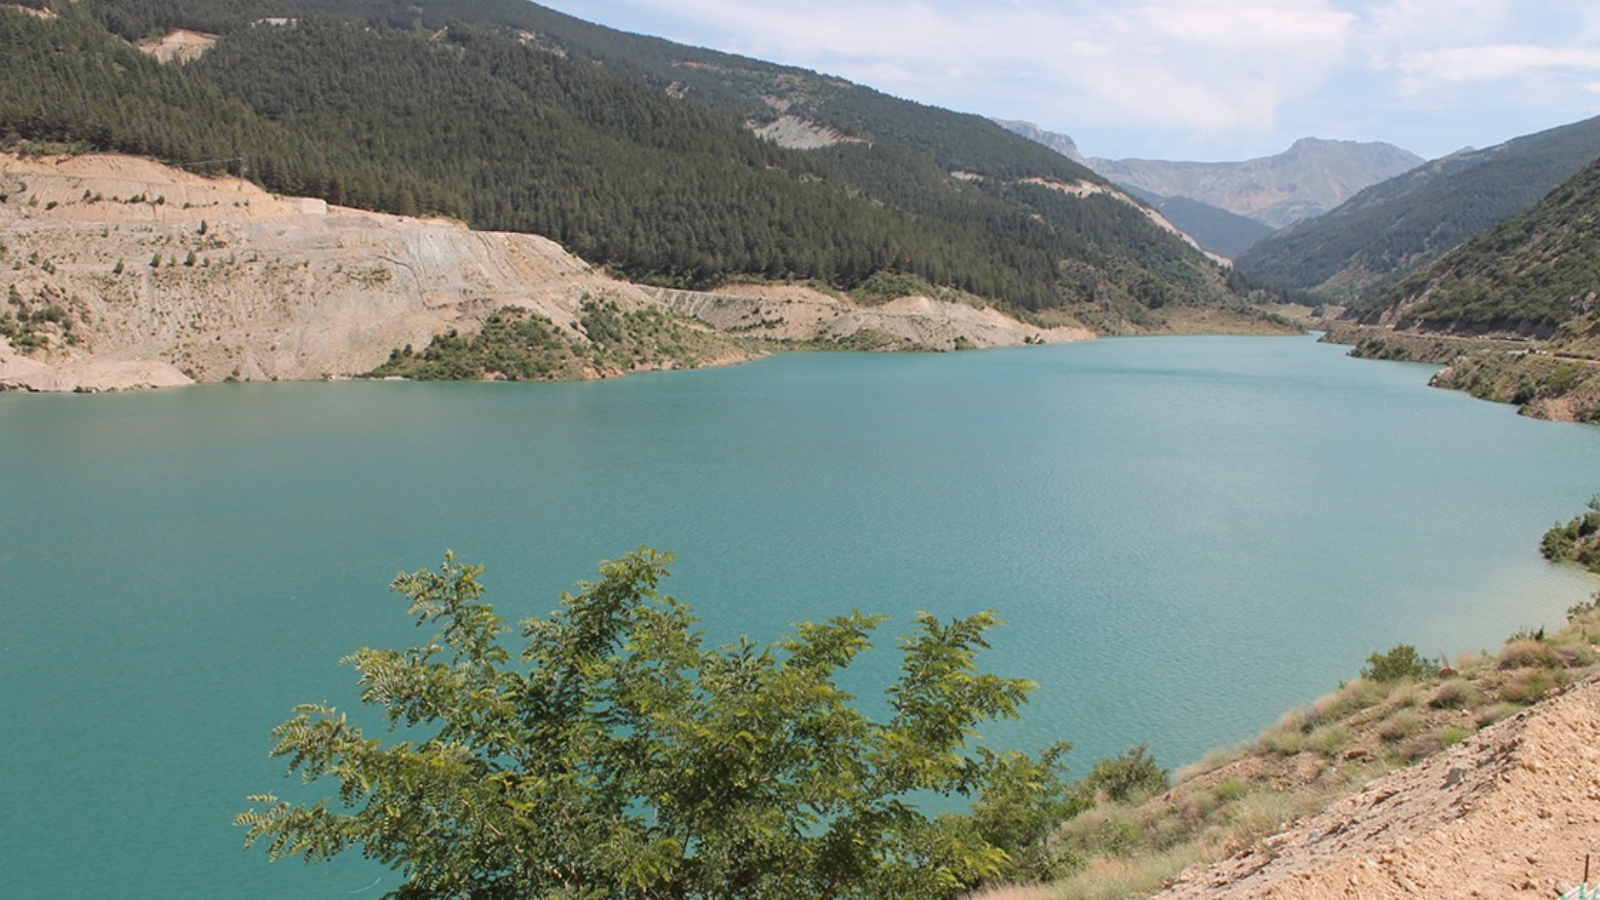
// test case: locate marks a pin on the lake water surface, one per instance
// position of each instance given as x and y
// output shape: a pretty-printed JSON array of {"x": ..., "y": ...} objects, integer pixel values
[{"x": 1186, "y": 535}]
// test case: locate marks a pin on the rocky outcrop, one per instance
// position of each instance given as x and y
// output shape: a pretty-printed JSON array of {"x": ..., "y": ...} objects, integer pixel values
[
  {"x": 796, "y": 133},
  {"x": 797, "y": 313},
  {"x": 180, "y": 46}
]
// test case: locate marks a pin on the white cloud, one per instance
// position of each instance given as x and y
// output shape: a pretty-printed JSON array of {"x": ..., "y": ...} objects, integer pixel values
[
  {"x": 1424, "y": 70},
  {"x": 1402, "y": 24},
  {"x": 1215, "y": 76},
  {"x": 1205, "y": 64}
]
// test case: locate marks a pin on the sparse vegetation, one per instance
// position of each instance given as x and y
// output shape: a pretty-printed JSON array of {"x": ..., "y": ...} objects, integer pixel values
[{"x": 1311, "y": 756}]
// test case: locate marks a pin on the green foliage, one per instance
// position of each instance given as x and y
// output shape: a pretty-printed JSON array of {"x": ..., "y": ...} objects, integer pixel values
[
  {"x": 517, "y": 345},
  {"x": 1581, "y": 610},
  {"x": 619, "y": 756},
  {"x": 1132, "y": 775},
  {"x": 1531, "y": 275},
  {"x": 884, "y": 286},
  {"x": 1576, "y": 541},
  {"x": 1528, "y": 379},
  {"x": 1399, "y": 664}
]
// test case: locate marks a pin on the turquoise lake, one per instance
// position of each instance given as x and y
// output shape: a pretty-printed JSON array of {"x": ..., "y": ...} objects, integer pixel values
[{"x": 1186, "y": 536}]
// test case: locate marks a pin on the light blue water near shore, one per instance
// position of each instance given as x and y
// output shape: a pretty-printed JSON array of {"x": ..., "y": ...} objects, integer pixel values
[{"x": 1187, "y": 536}]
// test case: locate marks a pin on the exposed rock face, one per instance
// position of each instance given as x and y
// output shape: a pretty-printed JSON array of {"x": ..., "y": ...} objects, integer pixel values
[
  {"x": 1060, "y": 143},
  {"x": 796, "y": 133},
  {"x": 220, "y": 279},
  {"x": 1510, "y": 812},
  {"x": 180, "y": 46}
]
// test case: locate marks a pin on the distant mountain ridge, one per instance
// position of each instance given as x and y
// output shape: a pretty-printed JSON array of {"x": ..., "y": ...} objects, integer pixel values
[
  {"x": 1215, "y": 229},
  {"x": 1060, "y": 143},
  {"x": 1398, "y": 225},
  {"x": 1310, "y": 178}
]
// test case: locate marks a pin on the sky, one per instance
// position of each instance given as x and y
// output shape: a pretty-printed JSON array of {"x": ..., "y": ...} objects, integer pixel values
[{"x": 1205, "y": 80}]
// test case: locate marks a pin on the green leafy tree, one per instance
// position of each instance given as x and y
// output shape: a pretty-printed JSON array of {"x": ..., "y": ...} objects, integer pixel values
[
  {"x": 623, "y": 758},
  {"x": 1399, "y": 664}
]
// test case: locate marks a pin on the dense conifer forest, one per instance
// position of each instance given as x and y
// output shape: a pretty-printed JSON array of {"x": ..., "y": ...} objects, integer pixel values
[{"x": 633, "y": 152}]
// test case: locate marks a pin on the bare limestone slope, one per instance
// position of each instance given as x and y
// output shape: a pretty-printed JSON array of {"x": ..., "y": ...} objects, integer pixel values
[
  {"x": 216, "y": 278},
  {"x": 119, "y": 272},
  {"x": 798, "y": 313}
]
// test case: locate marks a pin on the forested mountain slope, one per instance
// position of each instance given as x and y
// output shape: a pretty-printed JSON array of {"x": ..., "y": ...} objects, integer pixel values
[
  {"x": 633, "y": 152},
  {"x": 1535, "y": 275},
  {"x": 1394, "y": 227},
  {"x": 1514, "y": 311}
]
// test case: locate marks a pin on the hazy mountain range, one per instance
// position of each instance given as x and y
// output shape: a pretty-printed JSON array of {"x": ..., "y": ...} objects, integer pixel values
[{"x": 1228, "y": 206}]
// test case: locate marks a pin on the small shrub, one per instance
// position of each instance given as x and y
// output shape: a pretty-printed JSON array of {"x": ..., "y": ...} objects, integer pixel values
[
  {"x": 1399, "y": 664},
  {"x": 1496, "y": 712},
  {"x": 1352, "y": 697},
  {"x": 1328, "y": 739},
  {"x": 1211, "y": 762},
  {"x": 1262, "y": 812},
  {"x": 1454, "y": 735},
  {"x": 1284, "y": 741},
  {"x": 1457, "y": 693},
  {"x": 1102, "y": 831},
  {"x": 1230, "y": 789},
  {"x": 1402, "y": 724},
  {"x": 1421, "y": 746},
  {"x": 1525, "y": 652},
  {"x": 1407, "y": 695},
  {"x": 1132, "y": 774},
  {"x": 1579, "y": 610},
  {"x": 1527, "y": 686},
  {"x": 1115, "y": 879},
  {"x": 1573, "y": 656}
]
